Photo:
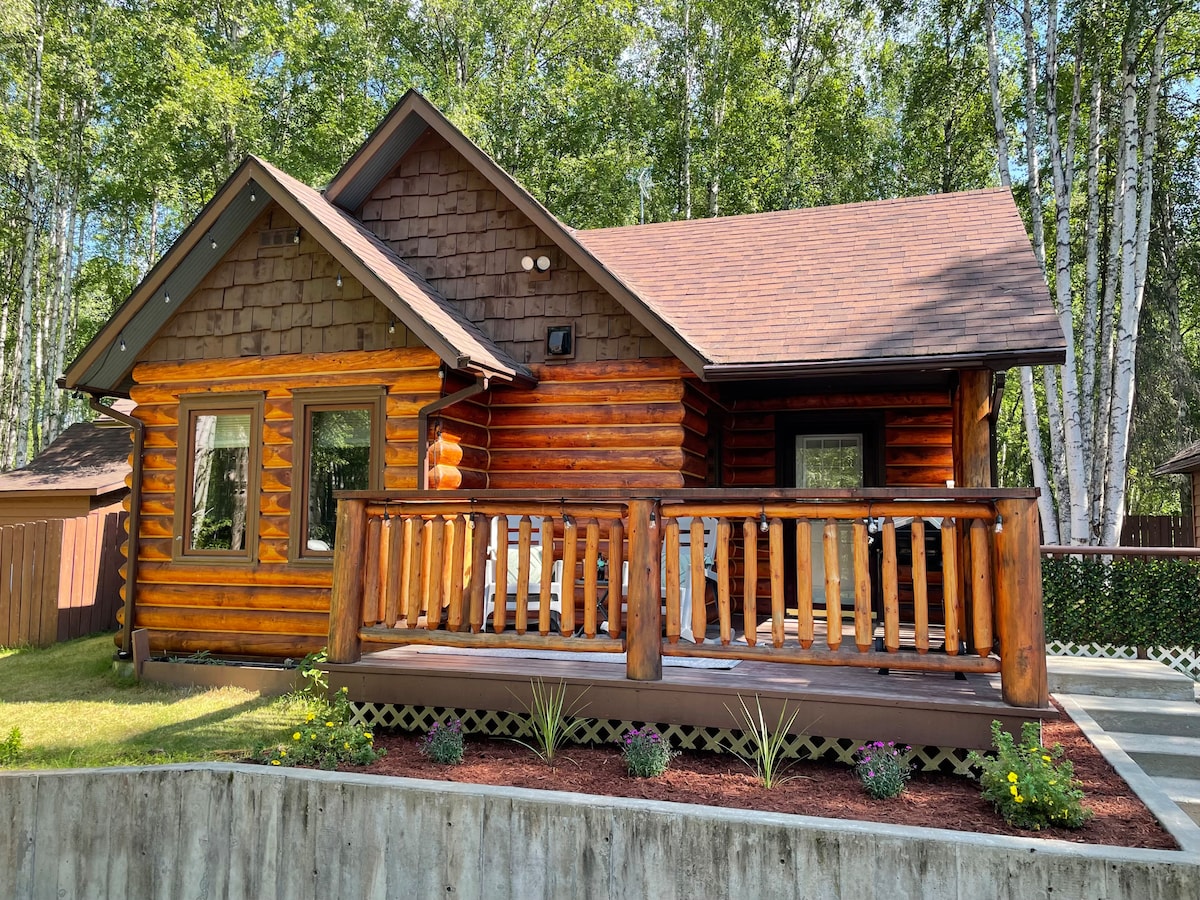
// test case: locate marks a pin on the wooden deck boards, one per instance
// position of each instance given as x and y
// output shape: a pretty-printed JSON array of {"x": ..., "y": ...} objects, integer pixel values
[{"x": 835, "y": 701}]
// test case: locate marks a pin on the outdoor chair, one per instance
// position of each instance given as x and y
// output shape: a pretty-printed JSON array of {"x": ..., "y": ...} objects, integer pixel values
[{"x": 513, "y": 524}]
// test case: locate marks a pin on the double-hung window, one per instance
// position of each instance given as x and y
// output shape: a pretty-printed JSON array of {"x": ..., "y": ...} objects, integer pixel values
[
  {"x": 338, "y": 443},
  {"x": 216, "y": 494}
]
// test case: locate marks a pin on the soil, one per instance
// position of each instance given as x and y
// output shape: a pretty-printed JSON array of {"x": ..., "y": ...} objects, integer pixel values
[{"x": 831, "y": 790}]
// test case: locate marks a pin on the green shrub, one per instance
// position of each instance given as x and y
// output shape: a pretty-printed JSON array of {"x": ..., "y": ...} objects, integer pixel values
[
  {"x": 767, "y": 744},
  {"x": 882, "y": 768},
  {"x": 1029, "y": 785},
  {"x": 443, "y": 743},
  {"x": 645, "y": 752},
  {"x": 10, "y": 748},
  {"x": 325, "y": 739}
]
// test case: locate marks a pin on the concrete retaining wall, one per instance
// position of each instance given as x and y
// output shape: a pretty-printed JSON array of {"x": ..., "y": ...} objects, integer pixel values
[{"x": 235, "y": 831}]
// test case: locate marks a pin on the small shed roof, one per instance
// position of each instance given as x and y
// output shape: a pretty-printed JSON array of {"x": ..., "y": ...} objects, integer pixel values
[
  {"x": 89, "y": 458},
  {"x": 946, "y": 279},
  {"x": 1186, "y": 460}
]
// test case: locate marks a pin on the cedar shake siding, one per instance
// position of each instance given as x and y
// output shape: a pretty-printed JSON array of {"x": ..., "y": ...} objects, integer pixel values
[
  {"x": 269, "y": 296},
  {"x": 467, "y": 239}
]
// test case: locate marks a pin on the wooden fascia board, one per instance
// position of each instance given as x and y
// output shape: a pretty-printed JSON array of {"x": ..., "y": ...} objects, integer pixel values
[
  {"x": 380, "y": 289},
  {"x": 149, "y": 286},
  {"x": 997, "y": 362},
  {"x": 414, "y": 103},
  {"x": 39, "y": 493}
]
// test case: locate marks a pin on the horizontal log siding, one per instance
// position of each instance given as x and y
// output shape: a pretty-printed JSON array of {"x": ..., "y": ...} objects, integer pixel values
[
  {"x": 272, "y": 607},
  {"x": 597, "y": 425},
  {"x": 453, "y": 226},
  {"x": 265, "y": 299}
]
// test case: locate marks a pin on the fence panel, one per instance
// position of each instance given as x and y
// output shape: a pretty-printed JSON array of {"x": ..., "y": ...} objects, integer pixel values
[
  {"x": 1156, "y": 531},
  {"x": 59, "y": 579}
]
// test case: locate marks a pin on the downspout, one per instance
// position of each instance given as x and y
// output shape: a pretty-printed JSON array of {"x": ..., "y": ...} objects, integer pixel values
[
  {"x": 135, "y": 518},
  {"x": 480, "y": 385}
]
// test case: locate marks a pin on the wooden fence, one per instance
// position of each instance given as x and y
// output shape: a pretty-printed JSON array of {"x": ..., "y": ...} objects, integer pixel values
[
  {"x": 1156, "y": 531},
  {"x": 60, "y": 578}
]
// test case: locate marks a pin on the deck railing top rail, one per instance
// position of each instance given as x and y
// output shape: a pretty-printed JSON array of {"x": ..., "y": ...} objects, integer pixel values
[
  {"x": 693, "y": 495},
  {"x": 1135, "y": 552}
]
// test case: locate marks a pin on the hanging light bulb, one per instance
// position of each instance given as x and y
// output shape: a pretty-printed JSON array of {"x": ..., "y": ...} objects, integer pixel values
[
  {"x": 166, "y": 296},
  {"x": 392, "y": 326},
  {"x": 296, "y": 237},
  {"x": 999, "y": 524},
  {"x": 122, "y": 345},
  {"x": 212, "y": 241},
  {"x": 762, "y": 522},
  {"x": 339, "y": 279}
]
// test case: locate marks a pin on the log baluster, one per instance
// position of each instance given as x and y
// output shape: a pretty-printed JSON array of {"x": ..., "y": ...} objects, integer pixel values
[
  {"x": 414, "y": 553},
  {"x": 951, "y": 594},
  {"x": 500, "y": 606},
  {"x": 804, "y": 598},
  {"x": 616, "y": 576},
  {"x": 394, "y": 529},
  {"x": 750, "y": 580},
  {"x": 570, "y": 552},
  {"x": 862, "y": 587},
  {"x": 920, "y": 587},
  {"x": 457, "y": 571},
  {"x": 591, "y": 559},
  {"x": 833, "y": 585},
  {"x": 891, "y": 589},
  {"x": 778, "y": 601},
  {"x": 981, "y": 588},
  {"x": 699, "y": 580},
  {"x": 547, "y": 576},
  {"x": 671, "y": 577},
  {"x": 479, "y": 549},
  {"x": 372, "y": 581},
  {"x": 433, "y": 583}
]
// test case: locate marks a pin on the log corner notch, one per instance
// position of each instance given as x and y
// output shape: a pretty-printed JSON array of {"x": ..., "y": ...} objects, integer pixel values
[
  {"x": 1019, "y": 619},
  {"x": 346, "y": 596}
]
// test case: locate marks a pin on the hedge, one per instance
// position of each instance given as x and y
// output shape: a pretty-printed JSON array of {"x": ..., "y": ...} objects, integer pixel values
[{"x": 1126, "y": 602}]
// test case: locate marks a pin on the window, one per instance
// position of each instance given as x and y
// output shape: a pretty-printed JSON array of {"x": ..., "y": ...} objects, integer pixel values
[
  {"x": 217, "y": 479},
  {"x": 340, "y": 449},
  {"x": 829, "y": 461}
]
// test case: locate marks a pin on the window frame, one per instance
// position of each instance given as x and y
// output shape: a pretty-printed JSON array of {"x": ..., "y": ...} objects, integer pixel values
[
  {"x": 192, "y": 406},
  {"x": 306, "y": 401}
]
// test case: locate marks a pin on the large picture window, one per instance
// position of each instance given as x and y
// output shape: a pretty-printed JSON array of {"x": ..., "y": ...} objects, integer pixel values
[
  {"x": 216, "y": 493},
  {"x": 340, "y": 450}
]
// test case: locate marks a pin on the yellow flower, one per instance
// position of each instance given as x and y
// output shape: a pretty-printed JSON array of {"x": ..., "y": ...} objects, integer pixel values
[
  {"x": 328, "y": 724},
  {"x": 1012, "y": 777},
  {"x": 274, "y": 762},
  {"x": 1013, "y": 790},
  {"x": 368, "y": 735},
  {"x": 346, "y": 746},
  {"x": 283, "y": 753},
  {"x": 296, "y": 736},
  {"x": 1020, "y": 799},
  {"x": 310, "y": 717},
  {"x": 1046, "y": 759},
  {"x": 312, "y": 735}
]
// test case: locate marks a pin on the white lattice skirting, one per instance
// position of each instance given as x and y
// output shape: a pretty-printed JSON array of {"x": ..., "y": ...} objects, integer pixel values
[
  {"x": 417, "y": 719},
  {"x": 1185, "y": 660}
]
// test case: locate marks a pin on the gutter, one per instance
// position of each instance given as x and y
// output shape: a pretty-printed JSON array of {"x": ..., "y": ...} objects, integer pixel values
[
  {"x": 480, "y": 385},
  {"x": 135, "y": 518},
  {"x": 994, "y": 361}
]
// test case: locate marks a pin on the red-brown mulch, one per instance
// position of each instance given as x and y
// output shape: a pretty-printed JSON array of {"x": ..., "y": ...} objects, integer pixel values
[{"x": 933, "y": 800}]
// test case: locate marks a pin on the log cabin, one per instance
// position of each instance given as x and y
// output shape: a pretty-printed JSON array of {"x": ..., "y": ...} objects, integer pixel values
[{"x": 364, "y": 411}]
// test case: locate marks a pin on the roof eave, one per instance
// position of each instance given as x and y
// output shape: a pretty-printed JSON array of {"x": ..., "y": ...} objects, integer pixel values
[{"x": 772, "y": 370}]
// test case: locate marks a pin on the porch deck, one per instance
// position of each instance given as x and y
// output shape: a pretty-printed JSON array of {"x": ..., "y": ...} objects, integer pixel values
[{"x": 932, "y": 709}]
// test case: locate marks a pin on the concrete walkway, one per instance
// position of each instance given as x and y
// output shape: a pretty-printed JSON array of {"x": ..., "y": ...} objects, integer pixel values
[{"x": 1145, "y": 719}]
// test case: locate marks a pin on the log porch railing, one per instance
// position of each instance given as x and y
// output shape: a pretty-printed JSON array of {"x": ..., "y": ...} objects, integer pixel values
[{"x": 409, "y": 568}]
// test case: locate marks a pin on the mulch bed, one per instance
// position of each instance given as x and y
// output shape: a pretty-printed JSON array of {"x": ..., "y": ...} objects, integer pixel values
[{"x": 829, "y": 790}]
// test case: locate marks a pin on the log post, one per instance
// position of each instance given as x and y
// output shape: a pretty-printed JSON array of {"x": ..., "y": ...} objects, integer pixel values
[
  {"x": 1018, "y": 591},
  {"x": 346, "y": 597},
  {"x": 643, "y": 657}
]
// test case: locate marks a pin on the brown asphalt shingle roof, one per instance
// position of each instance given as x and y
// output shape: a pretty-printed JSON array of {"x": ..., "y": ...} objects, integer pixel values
[
  {"x": 86, "y": 458},
  {"x": 942, "y": 276},
  {"x": 1186, "y": 460}
]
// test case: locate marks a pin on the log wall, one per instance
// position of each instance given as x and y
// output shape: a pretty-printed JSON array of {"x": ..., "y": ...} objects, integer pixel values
[
  {"x": 266, "y": 298},
  {"x": 598, "y": 425},
  {"x": 270, "y": 607},
  {"x": 453, "y": 226}
]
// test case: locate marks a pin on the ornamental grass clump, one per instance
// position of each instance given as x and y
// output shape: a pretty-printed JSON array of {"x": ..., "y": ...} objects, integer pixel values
[
  {"x": 882, "y": 768},
  {"x": 768, "y": 746},
  {"x": 645, "y": 752},
  {"x": 326, "y": 739},
  {"x": 552, "y": 720},
  {"x": 443, "y": 743},
  {"x": 1029, "y": 785}
]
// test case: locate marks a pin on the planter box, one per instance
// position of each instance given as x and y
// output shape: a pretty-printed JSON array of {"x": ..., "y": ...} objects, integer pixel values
[
  {"x": 270, "y": 681},
  {"x": 242, "y": 831}
]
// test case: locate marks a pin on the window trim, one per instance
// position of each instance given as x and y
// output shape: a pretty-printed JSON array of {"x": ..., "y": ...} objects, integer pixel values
[
  {"x": 304, "y": 401},
  {"x": 191, "y": 406}
]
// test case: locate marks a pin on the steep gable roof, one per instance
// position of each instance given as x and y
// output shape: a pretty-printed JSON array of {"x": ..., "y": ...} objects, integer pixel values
[
  {"x": 947, "y": 279},
  {"x": 105, "y": 364}
]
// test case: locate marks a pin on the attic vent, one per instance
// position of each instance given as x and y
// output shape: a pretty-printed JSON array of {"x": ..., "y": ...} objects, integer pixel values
[{"x": 275, "y": 237}]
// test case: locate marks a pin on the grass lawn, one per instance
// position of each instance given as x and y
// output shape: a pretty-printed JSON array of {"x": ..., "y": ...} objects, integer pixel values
[{"x": 73, "y": 710}]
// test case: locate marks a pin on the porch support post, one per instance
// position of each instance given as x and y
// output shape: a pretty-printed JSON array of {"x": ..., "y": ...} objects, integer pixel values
[
  {"x": 1018, "y": 587},
  {"x": 346, "y": 598},
  {"x": 973, "y": 429},
  {"x": 643, "y": 635}
]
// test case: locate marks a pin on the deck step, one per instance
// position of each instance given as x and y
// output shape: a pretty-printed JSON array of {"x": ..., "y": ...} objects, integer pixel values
[
  {"x": 1185, "y": 792},
  {"x": 1140, "y": 678},
  {"x": 1158, "y": 755},
  {"x": 1180, "y": 718}
]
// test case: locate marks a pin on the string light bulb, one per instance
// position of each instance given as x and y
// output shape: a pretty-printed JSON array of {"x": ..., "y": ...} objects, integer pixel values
[
  {"x": 999, "y": 524},
  {"x": 166, "y": 296},
  {"x": 392, "y": 326},
  {"x": 122, "y": 344},
  {"x": 339, "y": 279},
  {"x": 762, "y": 522},
  {"x": 212, "y": 241},
  {"x": 296, "y": 237}
]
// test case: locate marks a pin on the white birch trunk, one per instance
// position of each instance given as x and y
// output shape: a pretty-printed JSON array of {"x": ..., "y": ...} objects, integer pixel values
[
  {"x": 1091, "y": 311},
  {"x": 1001, "y": 127}
]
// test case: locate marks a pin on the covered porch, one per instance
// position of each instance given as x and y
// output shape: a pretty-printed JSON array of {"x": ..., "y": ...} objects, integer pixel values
[{"x": 457, "y": 601}]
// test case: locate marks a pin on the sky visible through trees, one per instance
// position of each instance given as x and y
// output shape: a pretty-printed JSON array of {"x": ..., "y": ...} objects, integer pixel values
[{"x": 118, "y": 121}]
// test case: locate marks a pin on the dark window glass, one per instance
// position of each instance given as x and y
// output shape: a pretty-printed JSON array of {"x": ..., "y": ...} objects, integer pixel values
[
  {"x": 220, "y": 481},
  {"x": 339, "y": 443}
]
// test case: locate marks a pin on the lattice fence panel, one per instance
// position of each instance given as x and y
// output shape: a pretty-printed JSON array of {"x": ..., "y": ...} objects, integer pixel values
[
  {"x": 606, "y": 732},
  {"x": 1185, "y": 660}
]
